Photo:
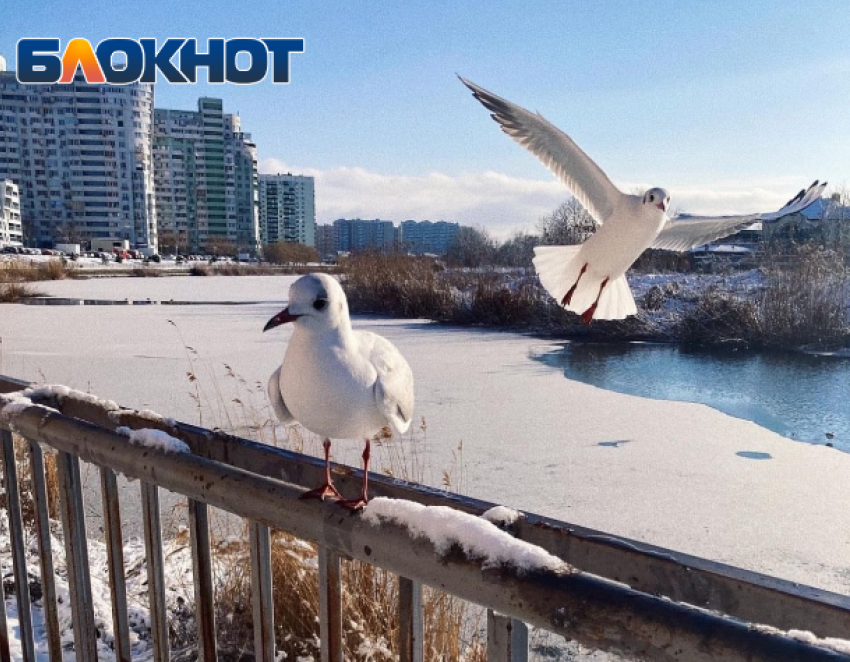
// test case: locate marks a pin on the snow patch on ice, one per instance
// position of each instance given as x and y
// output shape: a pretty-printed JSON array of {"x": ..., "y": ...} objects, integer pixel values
[
  {"x": 478, "y": 538},
  {"x": 154, "y": 439}
]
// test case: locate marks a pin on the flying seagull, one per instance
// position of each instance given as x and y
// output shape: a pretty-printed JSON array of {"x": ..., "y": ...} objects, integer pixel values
[
  {"x": 589, "y": 278},
  {"x": 337, "y": 382}
]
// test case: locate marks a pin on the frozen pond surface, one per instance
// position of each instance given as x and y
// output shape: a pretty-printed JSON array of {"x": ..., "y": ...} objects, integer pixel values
[{"x": 678, "y": 475}]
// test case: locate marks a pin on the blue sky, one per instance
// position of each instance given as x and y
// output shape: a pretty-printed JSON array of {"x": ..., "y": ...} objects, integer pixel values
[{"x": 731, "y": 106}]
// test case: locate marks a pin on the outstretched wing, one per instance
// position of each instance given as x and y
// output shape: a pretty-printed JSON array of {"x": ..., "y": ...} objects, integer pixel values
[
  {"x": 556, "y": 150},
  {"x": 684, "y": 232},
  {"x": 276, "y": 398},
  {"x": 394, "y": 385}
]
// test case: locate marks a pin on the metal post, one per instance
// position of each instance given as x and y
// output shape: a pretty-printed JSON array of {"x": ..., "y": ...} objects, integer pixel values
[
  {"x": 115, "y": 560},
  {"x": 330, "y": 605},
  {"x": 507, "y": 638},
  {"x": 262, "y": 602},
  {"x": 411, "y": 629},
  {"x": 45, "y": 553},
  {"x": 77, "y": 557},
  {"x": 199, "y": 535},
  {"x": 156, "y": 579},
  {"x": 19, "y": 557}
]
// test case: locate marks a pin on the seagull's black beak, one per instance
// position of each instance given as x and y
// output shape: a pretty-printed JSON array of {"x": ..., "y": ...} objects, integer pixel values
[{"x": 282, "y": 317}]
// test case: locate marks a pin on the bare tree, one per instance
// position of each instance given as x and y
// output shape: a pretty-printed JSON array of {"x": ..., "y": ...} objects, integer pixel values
[
  {"x": 518, "y": 251},
  {"x": 569, "y": 224},
  {"x": 471, "y": 247}
]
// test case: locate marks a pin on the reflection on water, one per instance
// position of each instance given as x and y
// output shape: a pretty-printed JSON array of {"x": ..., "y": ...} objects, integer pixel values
[{"x": 799, "y": 396}]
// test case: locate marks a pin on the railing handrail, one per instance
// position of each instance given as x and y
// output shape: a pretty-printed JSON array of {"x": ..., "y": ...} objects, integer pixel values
[{"x": 593, "y": 604}]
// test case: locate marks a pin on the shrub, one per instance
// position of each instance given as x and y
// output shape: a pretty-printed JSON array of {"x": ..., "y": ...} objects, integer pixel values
[
  {"x": 719, "y": 319},
  {"x": 17, "y": 292},
  {"x": 397, "y": 284},
  {"x": 804, "y": 301}
]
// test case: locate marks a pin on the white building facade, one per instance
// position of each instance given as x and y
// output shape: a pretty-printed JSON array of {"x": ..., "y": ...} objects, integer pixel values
[
  {"x": 11, "y": 231},
  {"x": 288, "y": 209},
  {"x": 81, "y": 156}
]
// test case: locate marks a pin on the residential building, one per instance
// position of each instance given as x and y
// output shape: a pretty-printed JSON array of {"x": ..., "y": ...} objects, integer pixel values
[
  {"x": 420, "y": 237},
  {"x": 81, "y": 157},
  {"x": 355, "y": 235},
  {"x": 287, "y": 209},
  {"x": 326, "y": 241},
  {"x": 206, "y": 178},
  {"x": 11, "y": 232}
]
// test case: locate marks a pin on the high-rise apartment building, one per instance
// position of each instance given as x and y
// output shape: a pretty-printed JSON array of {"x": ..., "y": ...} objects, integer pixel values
[
  {"x": 359, "y": 235},
  {"x": 81, "y": 157},
  {"x": 420, "y": 237},
  {"x": 11, "y": 232},
  {"x": 206, "y": 178},
  {"x": 287, "y": 209}
]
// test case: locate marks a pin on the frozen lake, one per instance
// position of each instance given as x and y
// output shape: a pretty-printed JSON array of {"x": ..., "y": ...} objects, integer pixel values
[{"x": 501, "y": 424}]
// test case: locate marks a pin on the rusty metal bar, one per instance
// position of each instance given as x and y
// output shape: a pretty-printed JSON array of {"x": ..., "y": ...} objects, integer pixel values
[
  {"x": 199, "y": 536},
  {"x": 156, "y": 580},
  {"x": 507, "y": 639},
  {"x": 45, "y": 553},
  {"x": 115, "y": 562},
  {"x": 744, "y": 594},
  {"x": 411, "y": 624},
  {"x": 16, "y": 533},
  {"x": 77, "y": 556},
  {"x": 330, "y": 605},
  {"x": 262, "y": 601}
]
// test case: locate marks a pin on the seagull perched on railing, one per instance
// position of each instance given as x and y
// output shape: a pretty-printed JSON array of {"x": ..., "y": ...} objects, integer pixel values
[
  {"x": 589, "y": 278},
  {"x": 337, "y": 382}
]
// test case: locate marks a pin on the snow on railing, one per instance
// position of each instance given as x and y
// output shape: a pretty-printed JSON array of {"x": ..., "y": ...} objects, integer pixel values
[{"x": 603, "y": 591}]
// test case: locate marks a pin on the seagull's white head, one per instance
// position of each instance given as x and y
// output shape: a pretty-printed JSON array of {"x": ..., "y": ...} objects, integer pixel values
[
  {"x": 657, "y": 197},
  {"x": 316, "y": 301}
]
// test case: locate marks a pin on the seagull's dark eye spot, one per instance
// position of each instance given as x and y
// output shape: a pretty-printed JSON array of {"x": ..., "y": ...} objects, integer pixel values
[
  {"x": 651, "y": 197},
  {"x": 319, "y": 304}
]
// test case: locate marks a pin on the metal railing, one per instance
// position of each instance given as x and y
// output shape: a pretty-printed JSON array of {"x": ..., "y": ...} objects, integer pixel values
[{"x": 624, "y": 596}]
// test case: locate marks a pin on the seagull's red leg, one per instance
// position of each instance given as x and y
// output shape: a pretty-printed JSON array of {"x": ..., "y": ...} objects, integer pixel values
[
  {"x": 358, "y": 504},
  {"x": 587, "y": 315},
  {"x": 569, "y": 295},
  {"x": 327, "y": 488}
]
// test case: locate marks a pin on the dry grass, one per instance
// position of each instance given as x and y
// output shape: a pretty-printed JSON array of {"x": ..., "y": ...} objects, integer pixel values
[
  {"x": 17, "y": 271},
  {"x": 719, "y": 319},
  {"x": 17, "y": 292},
  {"x": 805, "y": 299},
  {"x": 397, "y": 284},
  {"x": 26, "y": 486},
  {"x": 370, "y": 609}
]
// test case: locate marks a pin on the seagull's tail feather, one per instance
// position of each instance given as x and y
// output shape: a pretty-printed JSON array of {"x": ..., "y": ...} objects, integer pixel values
[
  {"x": 616, "y": 301},
  {"x": 557, "y": 268},
  {"x": 560, "y": 268}
]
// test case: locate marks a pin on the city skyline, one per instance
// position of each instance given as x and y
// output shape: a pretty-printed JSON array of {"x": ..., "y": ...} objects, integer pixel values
[{"x": 732, "y": 111}]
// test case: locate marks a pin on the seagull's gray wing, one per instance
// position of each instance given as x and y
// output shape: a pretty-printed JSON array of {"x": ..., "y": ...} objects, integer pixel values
[
  {"x": 394, "y": 384},
  {"x": 684, "y": 232},
  {"x": 276, "y": 398},
  {"x": 556, "y": 150}
]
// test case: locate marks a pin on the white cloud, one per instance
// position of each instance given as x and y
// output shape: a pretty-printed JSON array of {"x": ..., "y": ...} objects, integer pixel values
[{"x": 499, "y": 202}]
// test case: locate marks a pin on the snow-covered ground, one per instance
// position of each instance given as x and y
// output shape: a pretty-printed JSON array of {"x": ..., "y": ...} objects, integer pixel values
[{"x": 530, "y": 438}]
